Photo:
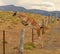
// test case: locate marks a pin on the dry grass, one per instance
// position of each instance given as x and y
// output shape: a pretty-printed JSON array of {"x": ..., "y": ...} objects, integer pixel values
[{"x": 13, "y": 27}]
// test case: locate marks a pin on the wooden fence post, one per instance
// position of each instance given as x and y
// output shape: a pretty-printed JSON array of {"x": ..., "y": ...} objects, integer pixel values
[
  {"x": 41, "y": 38},
  {"x": 32, "y": 36},
  {"x": 41, "y": 33},
  {"x": 43, "y": 25},
  {"x": 22, "y": 41},
  {"x": 3, "y": 42},
  {"x": 46, "y": 21}
]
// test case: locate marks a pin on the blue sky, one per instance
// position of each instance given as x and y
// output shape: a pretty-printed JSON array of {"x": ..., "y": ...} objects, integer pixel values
[{"x": 49, "y": 5}]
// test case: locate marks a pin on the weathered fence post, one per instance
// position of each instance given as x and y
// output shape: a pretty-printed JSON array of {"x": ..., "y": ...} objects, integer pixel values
[
  {"x": 41, "y": 32},
  {"x": 40, "y": 38},
  {"x": 32, "y": 36},
  {"x": 3, "y": 42},
  {"x": 43, "y": 25},
  {"x": 46, "y": 21},
  {"x": 22, "y": 41}
]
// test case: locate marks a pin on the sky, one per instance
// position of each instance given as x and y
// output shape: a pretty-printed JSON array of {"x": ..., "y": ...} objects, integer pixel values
[{"x": 49, "y": 5}]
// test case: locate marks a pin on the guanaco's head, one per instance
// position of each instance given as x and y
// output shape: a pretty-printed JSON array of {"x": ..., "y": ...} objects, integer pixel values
[{"x": 23, "y": 18}]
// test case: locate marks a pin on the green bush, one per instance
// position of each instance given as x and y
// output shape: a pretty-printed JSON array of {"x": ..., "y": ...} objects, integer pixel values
[{"x": 29, "y": 46}]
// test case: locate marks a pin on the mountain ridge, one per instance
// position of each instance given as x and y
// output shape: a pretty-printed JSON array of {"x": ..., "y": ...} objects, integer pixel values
[{"x": 22, "y": 9}]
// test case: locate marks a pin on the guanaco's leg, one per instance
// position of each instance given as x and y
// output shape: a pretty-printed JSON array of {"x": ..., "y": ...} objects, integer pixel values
[{"x": 40, "y": 37}]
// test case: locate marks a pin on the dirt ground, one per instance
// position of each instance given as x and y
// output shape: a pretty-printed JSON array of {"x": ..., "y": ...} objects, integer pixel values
[{"x": 12, "y": 36}]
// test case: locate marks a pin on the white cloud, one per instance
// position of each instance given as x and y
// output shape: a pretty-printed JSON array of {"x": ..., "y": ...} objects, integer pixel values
[
  {"x": 1, "y": 3},
  {"x": 28, "y": 1},
  {"x": 48, "y": 4},
  {"x": 34, "y": 4}
]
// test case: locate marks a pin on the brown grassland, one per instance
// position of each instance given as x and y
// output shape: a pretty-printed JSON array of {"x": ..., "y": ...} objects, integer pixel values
[{"x": 12, "y": 27}]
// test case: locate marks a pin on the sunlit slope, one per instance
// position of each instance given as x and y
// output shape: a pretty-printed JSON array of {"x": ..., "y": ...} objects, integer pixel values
[{"x": 11, "y": 22}]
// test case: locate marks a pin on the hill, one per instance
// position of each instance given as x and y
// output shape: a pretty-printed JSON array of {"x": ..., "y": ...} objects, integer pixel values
[
  {"x": 7, "y": 21},
  {"x": 22, "y": 9}
]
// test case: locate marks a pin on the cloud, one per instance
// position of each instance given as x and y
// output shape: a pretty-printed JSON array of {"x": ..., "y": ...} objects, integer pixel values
[
  {"x": 39, "y": 4},
  {"x": 9, "y": 2},
  {"x": 1, "y": 3},
  {"x": 47, "y": 4},
  {"x": 34, "y": 4},
  {"x": 27, "y": 2}
]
